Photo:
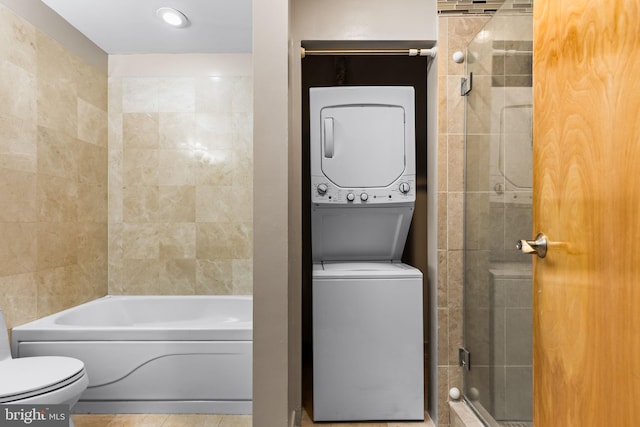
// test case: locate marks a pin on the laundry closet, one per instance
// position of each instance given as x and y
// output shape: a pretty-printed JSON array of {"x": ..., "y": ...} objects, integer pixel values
[
  {"x": 347, "y": 30},
  {"x": 365, "y": 313}
]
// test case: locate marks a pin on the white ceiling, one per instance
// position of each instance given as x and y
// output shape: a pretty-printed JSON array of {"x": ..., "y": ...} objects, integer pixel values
[{"x": 131, "y": 26}]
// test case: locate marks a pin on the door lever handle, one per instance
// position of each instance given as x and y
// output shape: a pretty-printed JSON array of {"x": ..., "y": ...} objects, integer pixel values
[{"x": 538, "y": 246}]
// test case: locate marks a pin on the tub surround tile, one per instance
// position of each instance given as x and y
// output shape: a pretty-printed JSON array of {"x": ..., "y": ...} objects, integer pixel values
[
  {"x": 18, "y": 298},
  {"x": 223, "y": 240},
  {"x": 219, "y": 167},
  {"x": 92, "y": 163},
  {"x": 242, "y": 276},
  {"x": 176, "y": 95},
  {"x": 92, "y": 203},
  {"x": 223, "y": 204},
  {"x": 57, "y": 106},
  {"x": 139, "y": 95},
  {"x": 18, "y": 37},
  {"x": 177, "y": 241},
  {"x": 57, "y": 199},
  {"x": 17, "y": 90},
  {"x": 139, "y": 241},
  {"x": 56, "y": 153},
  {"x": 92, "y": 124},
  {"x": 177, "y": 166},
  {"x": 140, "y": 167},
  {"x": 57, "y": 244},
  {"x": 214, "y": 94},
  {"x": 18, "y": 195},
  {"x": 140, "y": 204},
  {"x": 18, "y": 147},
  {"x": 140, "y": 276},
  {"x": 18, "y": 248},
  {"x": 141, "y": 130},
  {"x": 214, "y": 277},
  {"x": 56, "y": 290},
  {"x": 177, "y": 277},
  {"x": 180, "y": 179},
  {"x": 92, "y": 88},
  {"x": 53, "y": 174},
  {"x": 54, "y": 62},
  {"x": 177, "y": 203},
  {"x": 177, "y": 130}
]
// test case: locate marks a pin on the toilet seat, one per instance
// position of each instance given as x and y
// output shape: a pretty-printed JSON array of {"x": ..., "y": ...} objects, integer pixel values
[{"x": 27, "y": 377}]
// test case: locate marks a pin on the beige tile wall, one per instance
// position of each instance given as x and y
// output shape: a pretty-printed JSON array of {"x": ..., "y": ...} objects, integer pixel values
[
  {"x": 455, "y": 32},
  {"x": 180, "y": 185},
  {"x": 53, "y": 174}
]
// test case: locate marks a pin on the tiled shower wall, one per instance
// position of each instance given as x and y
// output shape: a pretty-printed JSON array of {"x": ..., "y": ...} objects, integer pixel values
[
  {"x": 53, "y": 174},
  {"x": 180, "y": 185},
  {"x": 455, "y": 32}
]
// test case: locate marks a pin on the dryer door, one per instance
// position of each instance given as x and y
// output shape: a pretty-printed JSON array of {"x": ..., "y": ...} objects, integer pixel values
[{"x": 363, "y": 146}]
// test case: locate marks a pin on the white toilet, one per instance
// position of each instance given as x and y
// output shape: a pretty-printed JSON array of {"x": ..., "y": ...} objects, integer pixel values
[{"x": 39, "y": 380}]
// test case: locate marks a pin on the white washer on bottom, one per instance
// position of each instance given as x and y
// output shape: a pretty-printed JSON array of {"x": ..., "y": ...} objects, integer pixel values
[{"x": 367, "y": 342}]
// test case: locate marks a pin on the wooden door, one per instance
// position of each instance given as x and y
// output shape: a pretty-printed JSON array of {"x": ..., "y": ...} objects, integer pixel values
[{"x": 587, "y": 201}]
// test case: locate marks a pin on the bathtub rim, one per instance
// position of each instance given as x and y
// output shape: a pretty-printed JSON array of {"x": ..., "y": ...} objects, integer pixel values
[{"x": 46, "y": 329}]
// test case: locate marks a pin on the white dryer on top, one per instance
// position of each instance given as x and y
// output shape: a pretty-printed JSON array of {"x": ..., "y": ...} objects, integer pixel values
[{"x": 362, "y": 156}]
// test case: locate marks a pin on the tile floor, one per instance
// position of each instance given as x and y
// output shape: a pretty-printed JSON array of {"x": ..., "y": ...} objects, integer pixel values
[
  {"x": 199, "y": 420},
  {"x": 162, "y": 420},
  {"x": 307, "y": 422}
]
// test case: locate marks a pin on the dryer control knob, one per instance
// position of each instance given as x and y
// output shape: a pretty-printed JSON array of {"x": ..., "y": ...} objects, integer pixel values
[
  {"x": 364, "y": 197},
  {"x": 322, "y": 189},
  {"x": 404, "y": 188},
  {"x": 351, "y": 197}
]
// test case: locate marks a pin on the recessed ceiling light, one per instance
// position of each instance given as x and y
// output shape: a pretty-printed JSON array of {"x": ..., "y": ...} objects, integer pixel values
[{"x": 173, "y": 17}]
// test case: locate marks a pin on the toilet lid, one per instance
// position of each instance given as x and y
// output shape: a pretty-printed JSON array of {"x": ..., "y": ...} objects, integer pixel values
[{"x": 31, "y": 376}]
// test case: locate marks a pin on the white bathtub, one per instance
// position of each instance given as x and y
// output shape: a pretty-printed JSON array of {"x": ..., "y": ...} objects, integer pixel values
[{"x": 153, "y": 354}]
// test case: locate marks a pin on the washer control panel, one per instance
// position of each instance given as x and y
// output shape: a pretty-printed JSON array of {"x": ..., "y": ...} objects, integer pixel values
[{"x": 323, "y": 191}]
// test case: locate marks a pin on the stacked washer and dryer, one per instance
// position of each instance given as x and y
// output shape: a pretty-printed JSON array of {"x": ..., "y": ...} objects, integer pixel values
[{"x": 367, "y": 304}]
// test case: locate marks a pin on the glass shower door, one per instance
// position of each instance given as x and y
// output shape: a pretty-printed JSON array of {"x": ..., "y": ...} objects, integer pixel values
[{"x": 498, "y": 199}]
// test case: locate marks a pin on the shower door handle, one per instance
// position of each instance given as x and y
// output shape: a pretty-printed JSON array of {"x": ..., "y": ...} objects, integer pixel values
[{"x": 538, "y": 246}]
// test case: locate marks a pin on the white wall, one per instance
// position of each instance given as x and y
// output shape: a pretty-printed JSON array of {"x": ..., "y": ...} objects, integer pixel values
[
  {"x": 271, "y": 353},
  {"x": 365, "y": 20}
]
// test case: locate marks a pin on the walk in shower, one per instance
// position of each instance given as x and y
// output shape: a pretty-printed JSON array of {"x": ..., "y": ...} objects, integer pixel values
[{"x": 498, "y": 195}]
